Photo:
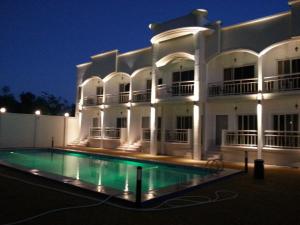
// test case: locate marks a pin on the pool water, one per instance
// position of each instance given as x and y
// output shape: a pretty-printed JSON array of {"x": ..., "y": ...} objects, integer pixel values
[{"x": 111, "y": 172}]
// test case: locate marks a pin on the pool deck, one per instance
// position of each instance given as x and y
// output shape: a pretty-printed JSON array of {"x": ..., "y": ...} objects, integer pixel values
[
  {"x": 143, "y": 156},
  {"x": 272, "y": 201}
]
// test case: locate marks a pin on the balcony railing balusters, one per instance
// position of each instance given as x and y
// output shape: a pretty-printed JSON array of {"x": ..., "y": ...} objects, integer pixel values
[
  {"x": 233, "y": 87},
  {"x": 280, "y": 83}
]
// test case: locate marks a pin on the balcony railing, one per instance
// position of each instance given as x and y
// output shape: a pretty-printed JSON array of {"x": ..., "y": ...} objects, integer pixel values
[
  {"x": 122, "y": 97},
  {"x": 281, "y": 83},
  {"x": 146, "y": 134},
  {"x": 112, "y": 133},
  {"x": 272, "y": 139},
  {"x": 141, "y": 96},
  {"x": 233, "y": 87},
  {"x": 282, "y": 139},
  {"x": 177, "y": 89},
  {"x": 95, "y": 132},
  {"x": 247, "y": 138},
  {"x": 178, "y": 135},
  {"x": 93, "y": 100}
]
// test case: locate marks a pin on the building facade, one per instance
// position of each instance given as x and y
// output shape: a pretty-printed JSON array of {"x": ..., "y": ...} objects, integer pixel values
[{"x": 198, "y": 90}]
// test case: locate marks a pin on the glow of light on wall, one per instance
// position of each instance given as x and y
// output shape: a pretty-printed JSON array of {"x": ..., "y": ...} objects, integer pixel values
[
  {"x": 259, "y": 130},
  {"x": 196, "y": 120},
  {"x": 182, "y": 55}
]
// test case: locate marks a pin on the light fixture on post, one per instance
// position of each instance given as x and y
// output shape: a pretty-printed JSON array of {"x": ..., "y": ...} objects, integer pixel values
[
  {"x": 37, "y": 115},
  {"x": 2, "y": 110},
  {"x": 259, "y": 162}
]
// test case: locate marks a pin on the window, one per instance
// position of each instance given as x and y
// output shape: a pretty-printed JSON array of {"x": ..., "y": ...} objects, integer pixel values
[
  {"x": 95, "y": 122},
  {"x": 79, "y": 93},
  {"x": 99, "y": 91},
  {"x": 145, "y": 122},
  {"x": 124, "y": 87},
  {"x": 184, "y": 122},
  {"x": 183, "y": 76},
  {"x": 247, "y": 122},
  {"x": 238, "y": 73},
  {"x": 160, "y": 81},
  {"x": 148, "y": 84},
  {"x": 122, "y": 122},
  {"x": 288, "y": 66},
  {"x": 285, "y": 122}
]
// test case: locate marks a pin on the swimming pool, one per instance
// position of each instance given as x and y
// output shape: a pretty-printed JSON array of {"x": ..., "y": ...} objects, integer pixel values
[{"x": 105, "y": 174}]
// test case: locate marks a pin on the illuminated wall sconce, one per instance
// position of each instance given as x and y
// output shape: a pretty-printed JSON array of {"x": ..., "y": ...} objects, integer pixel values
[
  {"x": 66, "y": 114},
  {"x": 259, "y": 97}
]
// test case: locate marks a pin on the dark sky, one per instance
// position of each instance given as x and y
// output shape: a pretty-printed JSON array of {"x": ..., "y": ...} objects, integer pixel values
[{"x": 41, "y": 41}]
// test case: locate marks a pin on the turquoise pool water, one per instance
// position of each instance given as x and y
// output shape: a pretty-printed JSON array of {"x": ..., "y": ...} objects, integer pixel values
[{"x": 116, "y": 173}]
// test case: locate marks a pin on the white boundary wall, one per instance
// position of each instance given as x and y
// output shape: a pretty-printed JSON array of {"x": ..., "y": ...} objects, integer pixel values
[{"x": 28, "y": 130}]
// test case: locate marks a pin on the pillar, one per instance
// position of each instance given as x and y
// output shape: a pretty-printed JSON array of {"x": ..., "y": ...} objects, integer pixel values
[
  {"x": 199, "y": 94},
  {"x": 130, "y": 125},
  {"x": 102, "y": 127},
  {"x": 259, "y": 111},
  {"x": 153, "y": 110}
]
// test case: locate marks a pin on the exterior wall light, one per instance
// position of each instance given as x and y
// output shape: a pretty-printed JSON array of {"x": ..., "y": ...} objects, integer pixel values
[
  {"x": 2, "y": 110},
  {"x": 66, "y": 114},
  {"x": 259, "y": 97},
  {"x": 37, "y": 112}
]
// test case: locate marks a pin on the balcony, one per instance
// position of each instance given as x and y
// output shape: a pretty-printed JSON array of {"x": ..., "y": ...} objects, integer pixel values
[
  {"x": 245, "y": 138},
  {"x": 93, "y": 100},
  {"x": 146, "y": 134},
  {"x": 233, "y": 87},
  {"x": 177, "y": 89},
  {"x": 95, "y": 132},
  {"x": 282, "y": 83},
  {"x": 112, "y": 133},
  {"x": 282, "y": 139},
  {"x": 122, "y": 97},
  {"x": 141, "y": 96},
  {"x": 272, "y": 139},
  {"x": 179, "y": 136}
]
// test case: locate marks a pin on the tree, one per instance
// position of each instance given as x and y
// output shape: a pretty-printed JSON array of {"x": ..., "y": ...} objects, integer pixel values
[
  {"x": 8, "y": 100},
  {"x": 47, "y": 103}
]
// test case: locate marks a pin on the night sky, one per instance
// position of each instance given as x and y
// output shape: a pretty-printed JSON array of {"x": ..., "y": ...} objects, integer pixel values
[{"x": 41, "y": 41}]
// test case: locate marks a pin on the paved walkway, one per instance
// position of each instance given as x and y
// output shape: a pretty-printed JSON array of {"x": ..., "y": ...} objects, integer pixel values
[{"x": 272, "y": 201}]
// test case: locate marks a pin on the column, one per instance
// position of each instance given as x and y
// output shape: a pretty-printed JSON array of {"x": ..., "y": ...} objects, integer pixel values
[
  {"x": 153, "y": 110},
  {"x": 259, "y": 162},
  {"x": 259, "y": 110},
  {"x": 130, "y": 133},
  {"x": 199, "y": 94},
  {"x": 102, "y": 127}
]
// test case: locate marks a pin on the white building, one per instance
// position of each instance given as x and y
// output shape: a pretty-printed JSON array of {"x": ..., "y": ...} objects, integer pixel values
[{"x": 200, "y": 88}]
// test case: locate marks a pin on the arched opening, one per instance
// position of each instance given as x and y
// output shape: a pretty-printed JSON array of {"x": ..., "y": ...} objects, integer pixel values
[
  {"x": 141, "y": 81},
  {"x": 175, "y": 76},
  {"x": 117, "y": 86},
  {"x": 233, "y": 73},
  {"x": 92, "y": 91}
]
